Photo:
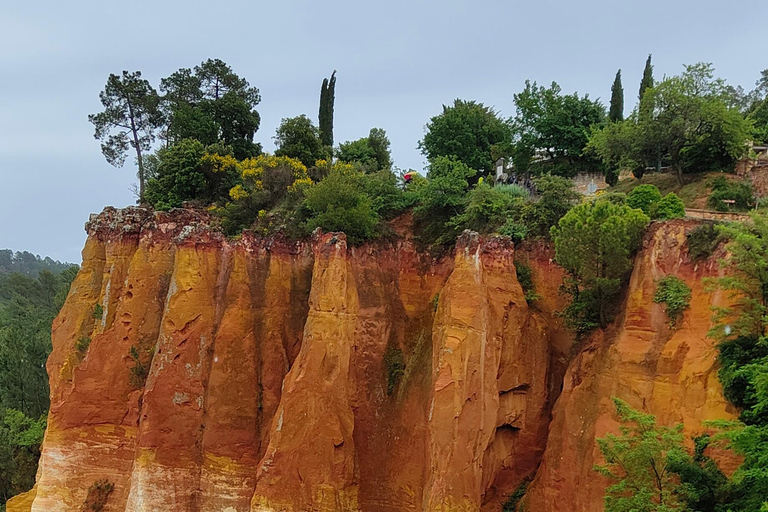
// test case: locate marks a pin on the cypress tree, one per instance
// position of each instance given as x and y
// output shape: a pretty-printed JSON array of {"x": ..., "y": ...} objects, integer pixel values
[
  {"x": 616, "y": 112},
  {"x": 325, "y": 115},
  {"x": 647, "y": 80}
]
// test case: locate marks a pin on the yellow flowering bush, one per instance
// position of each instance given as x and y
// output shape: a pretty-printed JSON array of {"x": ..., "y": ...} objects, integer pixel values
[{"x": 281, "y": 172}]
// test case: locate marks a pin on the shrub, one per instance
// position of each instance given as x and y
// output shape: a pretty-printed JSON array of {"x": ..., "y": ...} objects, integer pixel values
[
  {"x": 388, "y": 200},
  {"x": 669, "y": 207},
  {"x": 613, "y": 197},
  {"x": 98, "y": 495},
  {"x": 525, "y": 278},
  {"x": 724, "y": 189},
  {"x": 395, "y": 367},
  {"x": 487, "y": 209},
  {"x": 643, "y": 197},
  {"x": 515, "y": 230},
  {"x": 703, "y": 240},
  {"x": 514, "y": 499},
  {"x": 82, "y": 344},
  {"x": 98, "y": 311},
  {"x": 555, "y": 197},
  {"x": 675, "y": 294},
  {"x": 340, "y": 203},
  {"x": 189, "y": 171},
  {"x": 141, "y": 364}
]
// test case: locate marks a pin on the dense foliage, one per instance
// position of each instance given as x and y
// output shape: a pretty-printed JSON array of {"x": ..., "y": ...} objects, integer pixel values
[
  {"x": 298, "y": 138},
  {"x": 593, "y": 243},
  {"x": 689, "y": 121},
  {"x": 371, "y": 152},
  {"x": 468, "y": 132},
  {"x": 27, "y": 308},
  {"x": 640, "y": 460},
  {"x": 740, "y": 192},
  {"x": 675, "y": 295}
]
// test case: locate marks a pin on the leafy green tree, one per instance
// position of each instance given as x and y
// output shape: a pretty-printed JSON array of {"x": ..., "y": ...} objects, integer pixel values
[
  {"x": 647, "y": 81},
  {"x": 593, "y": 243},
  {"x": 687, "y": 120},
  {"x": 676, "y": 296},
  {"x": 738, "y": 191},
  {"x": 469, "y": 132},
  {"x": 669, "y": 207},
  {"x": 298, "y": 138},
  {"x": 188, "y": 171},
  {"x": 550, "y": 130},
  {"x": 20, "y": 440},
  {"x": 371, "y": 152},
  {"x": 641, "y": 460},
  {"x": 644, "y": 197},
  {"x": 441, "y": 197},
  {"x": 325, "y": 115},
  {"x": 211, "y": 104},
  {"x": 340, "y": 203},
  {"x": 556, "y": 196},
  {"x": 616, "y": 112},
  {"x": 130, "y": 118},
  {"x": 488, "y": 208}
]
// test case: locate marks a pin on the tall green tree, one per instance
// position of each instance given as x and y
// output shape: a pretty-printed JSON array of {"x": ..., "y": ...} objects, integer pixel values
[
  {"x": 688, "y": 120},
  {"x": 647, "y": 81},
  {"x": 325, "y": 115},
  {"x": 211, "y": 104},
  {"x": 616, "y": 112},
  {"x": 371, "y": 152},
  {"x": 130, "y": 118},
  {"x": 298, "y": 138},
  {"x": 640, "y": 460},
  {"x": 469, "y": 132},
  {"x": 594, "y": 242},
  {"x": 550, "y": 130}
]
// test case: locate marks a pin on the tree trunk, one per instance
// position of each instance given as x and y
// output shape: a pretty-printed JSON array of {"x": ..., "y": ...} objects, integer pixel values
[{"x": 137, "y": 146}]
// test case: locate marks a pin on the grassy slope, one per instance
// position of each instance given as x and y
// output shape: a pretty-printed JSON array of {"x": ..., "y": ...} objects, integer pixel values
[{"x": 694, "y": 192}]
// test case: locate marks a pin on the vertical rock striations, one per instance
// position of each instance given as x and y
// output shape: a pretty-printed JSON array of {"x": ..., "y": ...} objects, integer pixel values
[{"x": 201, "y": 374}]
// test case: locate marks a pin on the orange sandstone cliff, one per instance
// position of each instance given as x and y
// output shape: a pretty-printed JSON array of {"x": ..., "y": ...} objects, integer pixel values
[{"x": 201, "y": 374}]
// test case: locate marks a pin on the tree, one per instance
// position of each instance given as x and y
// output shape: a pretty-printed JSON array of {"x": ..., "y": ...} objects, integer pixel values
[
  {"x": 647, "y": 81},
  {"x": 669, "y": 207},
  {"x": 556, "y": 196},
  {"x": 211, "y": 104},
  {"x": 644, "y": 197},
  {"x": 468, "y": 132},
  {"x": 340, "y": 203},
  {"x": 641, "y": 460},
  {"x": 188, "y": 171},
  {"x": 616, "y": 112},
  {"x": 297, "y": 137},
  {"x": 550, "y": 130},
  {"x": 441, "y": 197},
  {"x": 686, "y": 120},
  {"x": 325, "y": 115},
  {"x": 593, "y": 243},
  {"x": 371, "y": 152},
  {"x": 130, "y": 117}
]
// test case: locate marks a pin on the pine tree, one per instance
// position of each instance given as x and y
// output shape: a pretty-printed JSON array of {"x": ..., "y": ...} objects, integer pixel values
[
  {"x": 617, "y": 100},
  {"x": 647, "y": 80},
  {"x": 325, "y": 115}
]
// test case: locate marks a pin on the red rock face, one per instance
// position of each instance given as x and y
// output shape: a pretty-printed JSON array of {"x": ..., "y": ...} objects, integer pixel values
[
  {"x": 316, "y": 376},
  {"x": 671, "y": 373}
]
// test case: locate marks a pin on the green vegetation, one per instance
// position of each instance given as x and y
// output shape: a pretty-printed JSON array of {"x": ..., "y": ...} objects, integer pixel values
[
  {"x": 82, "y": 344},
  {"x": 23, "y": 262},
  {"x": 703, "y": 240},
  {"x": 298, "y": 138},
  {"x": 514, "y": 499},
  {"x": 394, "y": 364},
  {"x": 669, "y": 207},
  {"x": 28, "y": 306},
  {"x": 142, "y": 360},
  {"x": 676, "y": 296},
  {"x": 616, "y": 112},
  {"x": 687, "y": 122},
  {"x": 371, "y": 152},
  {"x": 325, "y": 114},
  {"x": 468, "y": 132},
  {"x": 738, "y": 191},
  {"x": 594, "y": 243},
  {"x": 641, "y": 461},
  {"x": 644, "y": 197},
  {"x": 98, "y": 495},
  {"x": 525, "y": 278}
]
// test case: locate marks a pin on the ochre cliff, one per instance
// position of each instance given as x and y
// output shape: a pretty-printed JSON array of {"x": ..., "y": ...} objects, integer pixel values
[{"x": 266, "y": 375}]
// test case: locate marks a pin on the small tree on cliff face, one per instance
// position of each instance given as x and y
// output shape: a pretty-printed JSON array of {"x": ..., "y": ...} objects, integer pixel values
[
  {"x": 641, "y": 461},
  {"x": 129, "y": 120},
  {"x": 594, "y": 242}
]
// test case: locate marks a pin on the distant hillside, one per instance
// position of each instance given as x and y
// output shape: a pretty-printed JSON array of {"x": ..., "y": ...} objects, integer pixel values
[{"x": 27, "y": 263}]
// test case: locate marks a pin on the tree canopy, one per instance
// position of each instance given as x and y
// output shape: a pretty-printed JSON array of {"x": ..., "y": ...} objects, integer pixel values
[
  {"x": 469, "y": 132},
  {"x": 616, "y": 112},
  {"x": 298, "y": 138},
  {"x": 372, "y": 152}
]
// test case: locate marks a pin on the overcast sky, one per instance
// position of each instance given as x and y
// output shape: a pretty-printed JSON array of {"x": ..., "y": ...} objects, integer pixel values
[{"x": 398, "y": 61}]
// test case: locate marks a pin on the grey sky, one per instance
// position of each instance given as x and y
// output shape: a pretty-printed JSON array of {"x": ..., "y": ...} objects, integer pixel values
[{"x": 397, "y": 62}]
